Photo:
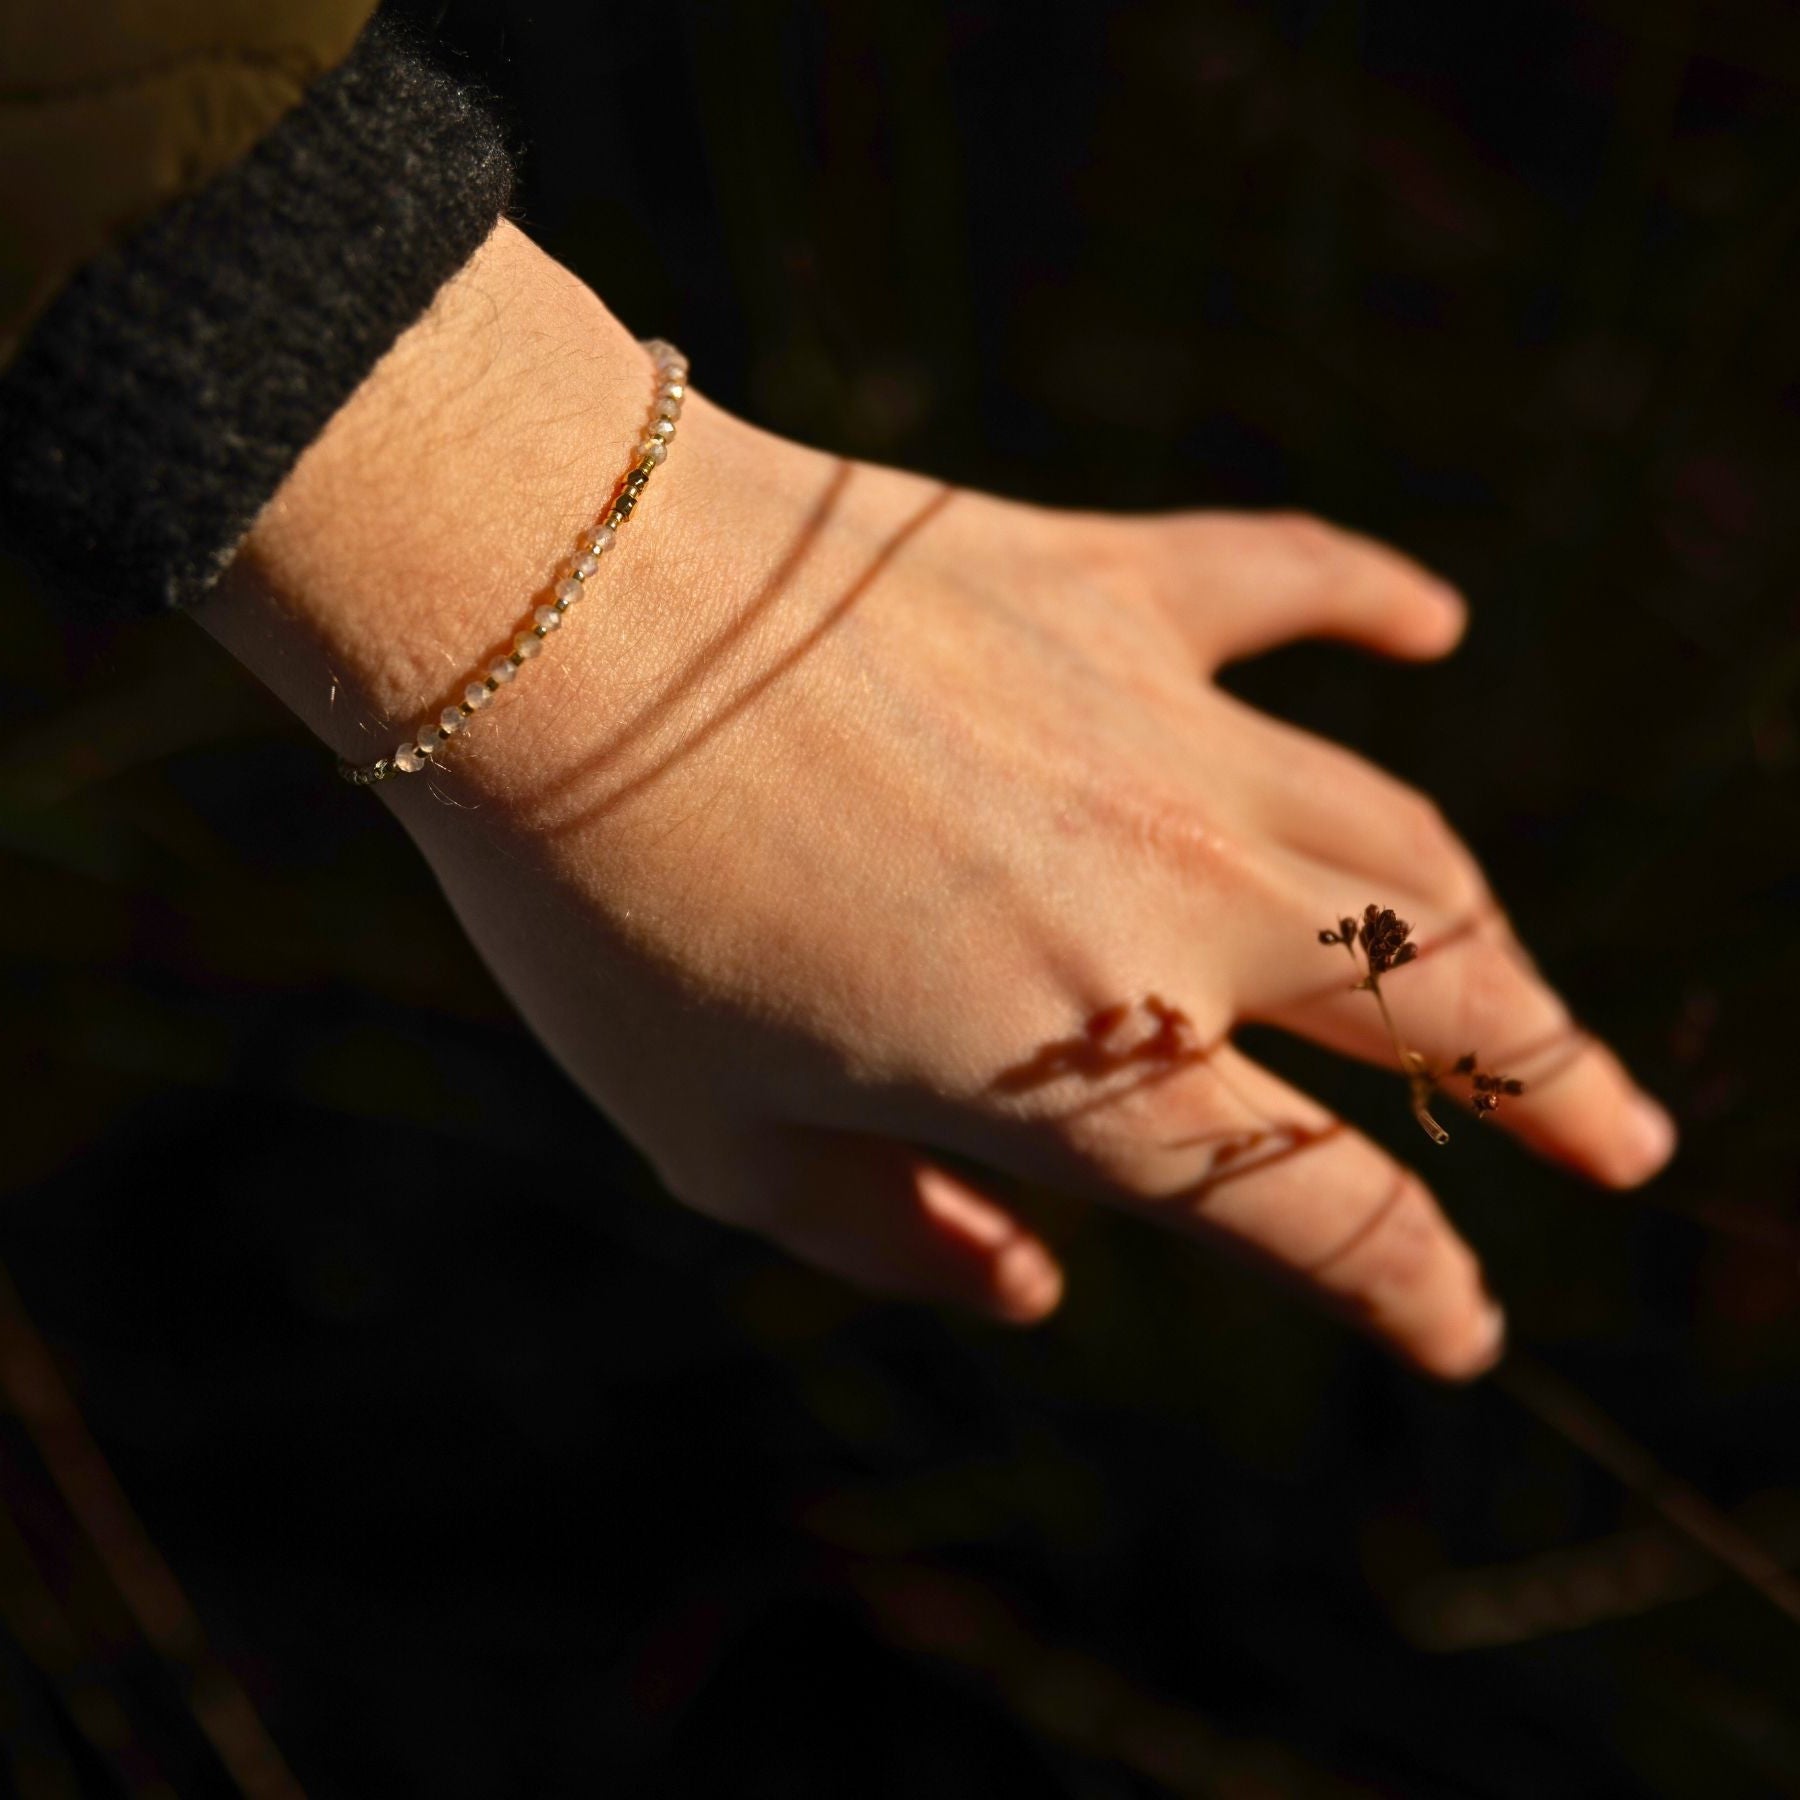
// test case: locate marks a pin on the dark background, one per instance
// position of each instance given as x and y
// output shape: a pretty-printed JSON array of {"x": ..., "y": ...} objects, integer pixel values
[{"x": 489, "y": 1472}]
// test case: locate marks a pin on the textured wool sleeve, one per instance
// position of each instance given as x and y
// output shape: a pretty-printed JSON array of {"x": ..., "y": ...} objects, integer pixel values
[{"x": 161, "y": 397}]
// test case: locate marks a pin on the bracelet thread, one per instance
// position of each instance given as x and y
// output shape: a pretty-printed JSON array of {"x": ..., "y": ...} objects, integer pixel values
[{"x": 418, "y": 751}]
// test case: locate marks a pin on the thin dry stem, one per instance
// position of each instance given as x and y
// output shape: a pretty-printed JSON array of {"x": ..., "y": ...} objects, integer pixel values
[
  {"x": 1385, "y": 941},
  {"x": 1575, "y": 1417}
]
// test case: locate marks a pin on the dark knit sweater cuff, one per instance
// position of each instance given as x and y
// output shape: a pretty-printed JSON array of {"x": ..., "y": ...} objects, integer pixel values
[{"x": 163, "y": 396}]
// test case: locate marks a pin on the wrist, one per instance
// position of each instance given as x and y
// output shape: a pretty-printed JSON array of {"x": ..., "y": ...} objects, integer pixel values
[{"x": 415, "y": 535}]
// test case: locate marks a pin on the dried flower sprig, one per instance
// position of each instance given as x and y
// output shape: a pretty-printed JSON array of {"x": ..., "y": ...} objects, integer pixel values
[
  {"x": 1385, "y": 940},
  {"x": 1488, "y": 1087}
]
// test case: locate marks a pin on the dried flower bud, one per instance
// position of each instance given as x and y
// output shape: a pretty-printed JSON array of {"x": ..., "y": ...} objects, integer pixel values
[
  {"x": 1383, "y": 936},
  {"x": 1488, "y": 1086},
  {"x": 1386, "y": 943}
]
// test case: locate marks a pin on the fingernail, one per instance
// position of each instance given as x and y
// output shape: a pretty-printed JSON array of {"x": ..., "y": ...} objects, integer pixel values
[
  {"x": 1493, "y": 1337},
  {"x": 1451, "y": 600},
  {"x": 1483, "y": 1348},
  {"x": 1649, "y": 1137},
  {"x": 1029, "y": 1281}
]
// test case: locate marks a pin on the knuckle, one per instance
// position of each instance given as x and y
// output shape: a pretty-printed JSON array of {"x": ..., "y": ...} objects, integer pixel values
[
  {"x": 1413, "y": 828},
  {"x": 1171, "y": 830},
  {"x": 1421, "y": 818},
  {"x": 1174, "y": 832},
  {"x": 1109, "y": 555},
  {"x": 1110, "y": 1145},
  {"x": 1309, "y": 538},
  {"x": 1465, "y": 884},
  {"x": 1405, "y": 1246},
  {"x": 1495, "y": 1000},
  {"x": 1425, "y": 818},
  {"x": 1142, "y": 1141},
  {"x": 1439, "y": 857}
]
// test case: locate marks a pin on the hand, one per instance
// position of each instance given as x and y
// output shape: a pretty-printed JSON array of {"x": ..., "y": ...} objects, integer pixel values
[{"x": 868, "y": 835}]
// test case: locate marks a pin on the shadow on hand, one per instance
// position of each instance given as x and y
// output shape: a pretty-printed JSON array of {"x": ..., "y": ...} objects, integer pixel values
[
  {"x": 1103, "y": 1047},
  {"x": 605, "y": 761},
  {"x": 1106, "y": 1046}
]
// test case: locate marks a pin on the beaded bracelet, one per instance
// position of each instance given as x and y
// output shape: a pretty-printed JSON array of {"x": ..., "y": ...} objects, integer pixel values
[{"x": 416, "y": 753}]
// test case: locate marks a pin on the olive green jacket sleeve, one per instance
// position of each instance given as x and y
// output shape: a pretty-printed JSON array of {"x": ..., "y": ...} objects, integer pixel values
[
  {"x": 110, "y": 109},
  {"x": 215, "y": 217}
]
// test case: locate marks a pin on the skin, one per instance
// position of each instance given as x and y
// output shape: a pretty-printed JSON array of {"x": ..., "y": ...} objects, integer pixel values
[{"x": 862, "y": 846}]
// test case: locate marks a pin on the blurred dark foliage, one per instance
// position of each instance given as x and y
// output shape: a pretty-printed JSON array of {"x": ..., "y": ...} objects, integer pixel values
[{"x": 489, "y": 1472}]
